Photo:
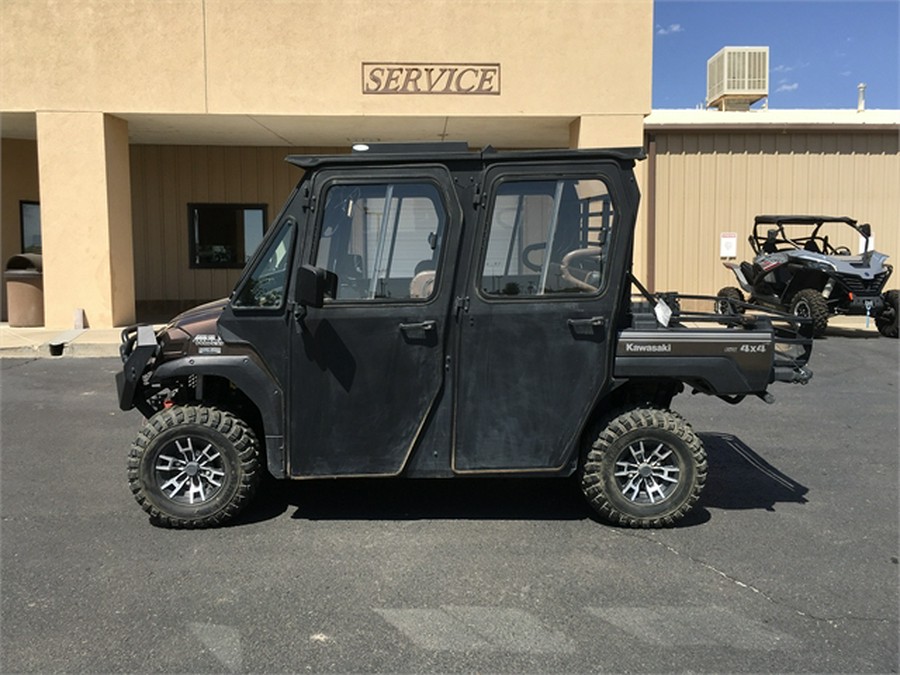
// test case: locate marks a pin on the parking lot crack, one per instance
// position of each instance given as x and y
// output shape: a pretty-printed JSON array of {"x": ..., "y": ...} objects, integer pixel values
[{"x": 832, "y": 620}]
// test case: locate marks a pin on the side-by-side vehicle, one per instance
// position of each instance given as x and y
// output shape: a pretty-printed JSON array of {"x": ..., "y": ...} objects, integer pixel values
[{"x": 429, "y": 311}]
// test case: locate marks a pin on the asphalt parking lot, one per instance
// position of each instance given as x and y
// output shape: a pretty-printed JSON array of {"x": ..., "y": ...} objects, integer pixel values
[{"x": 790, "y": 564}]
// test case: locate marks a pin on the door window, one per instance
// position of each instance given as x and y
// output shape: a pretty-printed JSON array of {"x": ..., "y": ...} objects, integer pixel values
[
  {"x": 382, "y": 240},
  {"x": 547, "y": 237}
]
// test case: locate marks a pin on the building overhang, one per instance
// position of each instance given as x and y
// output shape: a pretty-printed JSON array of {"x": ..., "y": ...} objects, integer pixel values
[
  {"x": 318, "y": 131},
  {"x": 772, "y": 120}
]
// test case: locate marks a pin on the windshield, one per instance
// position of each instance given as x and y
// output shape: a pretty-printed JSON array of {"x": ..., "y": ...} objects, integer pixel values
[{"x": 265, "y": 286}]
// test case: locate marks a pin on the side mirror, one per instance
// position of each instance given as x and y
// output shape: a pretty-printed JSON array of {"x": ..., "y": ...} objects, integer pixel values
[
  {"x": 314, "y": 284},
  {"x": 866, "y": 230}
]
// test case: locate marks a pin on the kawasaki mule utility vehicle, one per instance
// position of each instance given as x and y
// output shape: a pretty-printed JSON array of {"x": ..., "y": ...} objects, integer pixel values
[
  {"x": 426, "y": 311},
  {"x": 804, "y": 265}
]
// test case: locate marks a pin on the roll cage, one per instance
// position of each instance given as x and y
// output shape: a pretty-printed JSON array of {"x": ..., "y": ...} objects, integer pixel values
[{"x": 776, "y": 239}]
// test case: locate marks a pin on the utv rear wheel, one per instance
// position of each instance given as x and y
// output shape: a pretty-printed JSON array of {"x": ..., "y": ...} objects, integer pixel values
[
  {"x": 809, "y": 303},
  {"x": 193, "y": 467},
  {"x": 647, "y": 468},
  {"x": 725, "y": 301},
  {"x": 887, "y": 320}
]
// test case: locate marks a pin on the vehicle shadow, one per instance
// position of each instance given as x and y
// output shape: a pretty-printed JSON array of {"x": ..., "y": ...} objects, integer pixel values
[
  {"x": 738, "y": 479},
  {"x": 420, "y": 499}
]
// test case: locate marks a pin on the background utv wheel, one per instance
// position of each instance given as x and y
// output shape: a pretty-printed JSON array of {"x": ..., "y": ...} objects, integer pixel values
[
  {"x": 723, "y": 306},
  {"x": 810, "y": 303},
  {"x": 193, "y": 467},
  {"x": 887, "y": 320},
  {"x": 646, "y": 469}
]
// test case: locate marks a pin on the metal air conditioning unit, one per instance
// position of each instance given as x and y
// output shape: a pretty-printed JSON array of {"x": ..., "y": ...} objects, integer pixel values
[{"x": 737, "y": 77}]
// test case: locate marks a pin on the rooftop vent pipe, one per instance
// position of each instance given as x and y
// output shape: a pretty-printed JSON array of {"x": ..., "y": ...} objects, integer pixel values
[{"x": 861, "y": 100}]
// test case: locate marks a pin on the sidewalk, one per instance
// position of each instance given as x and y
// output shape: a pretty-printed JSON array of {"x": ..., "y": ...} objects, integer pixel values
[{"x": 36, "y": 342}]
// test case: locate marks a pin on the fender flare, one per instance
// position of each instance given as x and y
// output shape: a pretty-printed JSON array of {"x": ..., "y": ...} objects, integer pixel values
[{"x": 250, "y": 377}]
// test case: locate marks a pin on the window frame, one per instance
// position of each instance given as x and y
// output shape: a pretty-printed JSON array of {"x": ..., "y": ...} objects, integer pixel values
[
  {"x": 192, "y": 240},
  {"x": 23, "y": 203},
  {"x": 499, "y": 177},
  {"x": 431, "y": 176}
]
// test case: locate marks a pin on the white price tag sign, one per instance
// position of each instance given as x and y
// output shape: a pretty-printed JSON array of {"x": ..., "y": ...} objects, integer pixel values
[{"x": 728, "y": 245}]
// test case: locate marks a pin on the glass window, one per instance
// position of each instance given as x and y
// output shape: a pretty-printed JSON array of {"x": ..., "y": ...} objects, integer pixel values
[
  {"x": 382, "y": 241},
  {"x": 547, "y": 237},
  {"x": 266, "y": 284},
  {"x": 225, "y": 235},
  {"x": 30, "y": 218}
]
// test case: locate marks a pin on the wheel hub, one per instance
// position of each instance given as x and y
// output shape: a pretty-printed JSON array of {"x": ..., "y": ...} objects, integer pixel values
[
  {"x": 647, "y": 474},
  {"x": 190, "y": 471}
]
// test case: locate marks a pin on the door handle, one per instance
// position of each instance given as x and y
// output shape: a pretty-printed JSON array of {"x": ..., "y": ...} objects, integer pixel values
[
  {"x": 593, "y": 322},
  {"x": 587, "y": 327},
  {"x": 420, "y": 331},
  {"x": 419, "y": 326}
]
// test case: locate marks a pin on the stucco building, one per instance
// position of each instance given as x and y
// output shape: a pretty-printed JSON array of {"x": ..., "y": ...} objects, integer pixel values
[{"x": 147, "y": 137}]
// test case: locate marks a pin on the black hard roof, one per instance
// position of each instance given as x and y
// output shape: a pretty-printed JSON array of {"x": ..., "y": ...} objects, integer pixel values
[
  {"x": 802, "y": 220},
  {"x": 405, "y": 153}
]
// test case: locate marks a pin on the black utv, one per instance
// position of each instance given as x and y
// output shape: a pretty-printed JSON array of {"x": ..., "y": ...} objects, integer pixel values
[
  {"x": 428, "y": 311},
  {"x": 804, "y": 265}
]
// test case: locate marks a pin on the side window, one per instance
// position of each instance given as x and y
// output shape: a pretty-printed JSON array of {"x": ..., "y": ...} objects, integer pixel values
[
  {"x": 225, "y": 235},
  {"x": 547, "y": 237},
  {"x": 383, "y": 240},
  {"x": 266, "y": 285}
]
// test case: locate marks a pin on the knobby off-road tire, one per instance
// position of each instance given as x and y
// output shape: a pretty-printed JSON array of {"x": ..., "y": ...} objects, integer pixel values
[
  {"x": 887, "y": 320},
  {"x": 725, "y": 306},
  {"x": 647, "y": 468},
  {"x": 193, "y": 467},
  {"x": 810, "y": 303}
]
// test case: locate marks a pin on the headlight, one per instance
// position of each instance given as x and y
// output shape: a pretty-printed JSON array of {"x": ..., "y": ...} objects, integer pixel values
[
  {"x": 173, "y": 342},
  {"x": 822, "y": 265}
]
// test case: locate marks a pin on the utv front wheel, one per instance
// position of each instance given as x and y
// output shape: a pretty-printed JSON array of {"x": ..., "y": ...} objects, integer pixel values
[
  {"x": 809, "y": 303},
  {"x": 647, "y": 468},
  {"x": 887, "y": 320},
  {"x": 193, "y": 467}
]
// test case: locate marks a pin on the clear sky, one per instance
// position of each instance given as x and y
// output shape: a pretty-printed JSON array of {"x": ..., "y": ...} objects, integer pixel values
[{"x": 819, "y": 50}]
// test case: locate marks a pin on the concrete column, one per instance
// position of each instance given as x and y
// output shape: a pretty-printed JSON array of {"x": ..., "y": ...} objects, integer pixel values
[
  {"x": 620, "y": 131},
  {"x": 86, "y": 219}
]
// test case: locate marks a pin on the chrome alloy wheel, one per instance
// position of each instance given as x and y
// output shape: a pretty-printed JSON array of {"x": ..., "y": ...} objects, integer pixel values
[
  {"x": 190, "y": 470},
  {"x": 647, "y": 477}
]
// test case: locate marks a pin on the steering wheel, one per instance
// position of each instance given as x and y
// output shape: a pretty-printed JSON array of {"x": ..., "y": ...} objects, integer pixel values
[
  {"x": 570, "y": 268},
  {"x": 528, "y": 250}
]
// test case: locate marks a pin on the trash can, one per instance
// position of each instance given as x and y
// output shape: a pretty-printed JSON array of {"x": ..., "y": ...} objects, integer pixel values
[{"x": 25, "y": 290}]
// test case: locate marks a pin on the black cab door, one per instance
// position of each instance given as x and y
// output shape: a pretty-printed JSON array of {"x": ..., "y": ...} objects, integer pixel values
[
  {"x": 536, "y": 328},
  {"x": 367, "y": 368}
]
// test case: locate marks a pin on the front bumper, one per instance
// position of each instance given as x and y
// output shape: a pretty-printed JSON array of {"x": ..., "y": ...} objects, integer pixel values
[
  {"x": 138, "y": 347},
  {"x": 870, "y": 305}
]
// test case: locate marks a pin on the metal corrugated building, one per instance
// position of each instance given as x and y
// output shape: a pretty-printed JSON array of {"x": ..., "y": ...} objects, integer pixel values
[{"x": 712, "y": 172}]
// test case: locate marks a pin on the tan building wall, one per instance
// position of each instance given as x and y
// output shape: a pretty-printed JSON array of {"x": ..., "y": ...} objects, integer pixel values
[
  {"x": 305, "y": 57},
  {"x": 710, "y": 182},
  {"x": 164, "y": 180},
  {"x": 543, "y": 73}
]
